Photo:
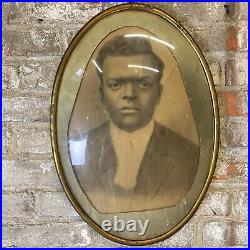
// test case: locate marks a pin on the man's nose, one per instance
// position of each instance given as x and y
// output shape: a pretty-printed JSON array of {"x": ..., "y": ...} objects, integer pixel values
[{"x": 129, "y": 91}]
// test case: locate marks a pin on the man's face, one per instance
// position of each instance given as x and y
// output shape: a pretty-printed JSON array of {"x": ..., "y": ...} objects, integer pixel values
[{"x": 130, "y": 90}]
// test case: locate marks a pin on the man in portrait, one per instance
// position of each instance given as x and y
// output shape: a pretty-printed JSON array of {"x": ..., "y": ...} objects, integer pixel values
[{"x": 133, "y": 162}]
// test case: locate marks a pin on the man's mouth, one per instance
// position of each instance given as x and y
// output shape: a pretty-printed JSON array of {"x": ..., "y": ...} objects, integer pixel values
[{"x": 129, "y": 110}]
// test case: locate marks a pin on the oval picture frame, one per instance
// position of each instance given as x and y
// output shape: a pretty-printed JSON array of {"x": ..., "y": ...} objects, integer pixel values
[{"x": 188, "y": 108}]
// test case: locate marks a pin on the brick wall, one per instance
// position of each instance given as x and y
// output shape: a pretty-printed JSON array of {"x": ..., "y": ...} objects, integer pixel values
[{"x": 36, "y": 212}]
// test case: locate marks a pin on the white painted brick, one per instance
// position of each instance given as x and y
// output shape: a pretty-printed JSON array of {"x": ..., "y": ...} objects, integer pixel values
[
  {"x": 99, "y": 241},
  {"x": 39, "y": 75},
  {"x": 47, "y": 235},
  {"x": 236, "y": 70},
  {"x": 54, "y": 206},
  {"x": 208, "y": 38},
  {"x": 241, "y": 234},
  {"x": 79, "y": 12},
  {"x": 18, "y": 207},
  {"x": 241, "y": 71},
  {"x": 215, "y": 204},
  {"x": 243, "y": 11},
  {"x": 240, "y": 207},
  {"x": 234, "y": 132},
  {"x": 34, "y": 74},
  {"x": 191, "y": 13},
  {"x": 216, "y": 234},
  {"x": 244, "y": 102},
  {"x": 33, "y": 42},
  {"x": 32, "y": 174},
  {"x": 10, "y": 77},
  {"x": 33, "y": 138},
  {"x": 6, "y": 135},
  {"x": 215, "y": 69},
  {"x": 236, "y": 154},
  {"x": 26, "y": 108},
  {"x": 242, "y": 35}
]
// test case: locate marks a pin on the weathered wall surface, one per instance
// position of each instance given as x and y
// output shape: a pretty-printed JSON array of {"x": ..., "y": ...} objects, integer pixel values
[{"x": 36, "y": 212}]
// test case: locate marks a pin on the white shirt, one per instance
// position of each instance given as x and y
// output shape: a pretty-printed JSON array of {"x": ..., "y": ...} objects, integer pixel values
[{"x": 129, "y": 149}]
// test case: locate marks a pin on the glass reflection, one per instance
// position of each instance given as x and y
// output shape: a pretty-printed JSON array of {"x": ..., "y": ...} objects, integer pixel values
[
  {"x": 77, "y": 151},
  {"x": 96, "y": 65},
  {"x": 152, "y": 38},
  {"x": 142, "y": 67}
]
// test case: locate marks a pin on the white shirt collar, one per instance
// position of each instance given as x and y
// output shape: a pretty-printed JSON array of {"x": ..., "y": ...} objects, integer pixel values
[
  {"x": 142, "y": 133},
  {"x": 130, "y": 149}
]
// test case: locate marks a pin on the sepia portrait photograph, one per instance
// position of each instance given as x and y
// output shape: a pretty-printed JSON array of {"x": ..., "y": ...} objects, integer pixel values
[
  {"x": 134, "y": 128},
  {"x": 133, "y": 140}
]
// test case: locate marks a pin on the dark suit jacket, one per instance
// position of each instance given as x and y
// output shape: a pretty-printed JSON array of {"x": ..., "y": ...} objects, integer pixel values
[{"x": 166, "y": 173}]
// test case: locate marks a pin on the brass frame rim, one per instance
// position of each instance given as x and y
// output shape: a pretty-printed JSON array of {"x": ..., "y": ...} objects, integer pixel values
[{"x": 53, "y": 123}]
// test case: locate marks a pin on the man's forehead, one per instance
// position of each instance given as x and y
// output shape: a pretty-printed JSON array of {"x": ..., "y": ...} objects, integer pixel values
[
  {"x": 135, "y": 64},
  {"x": 129, "y": 58}
]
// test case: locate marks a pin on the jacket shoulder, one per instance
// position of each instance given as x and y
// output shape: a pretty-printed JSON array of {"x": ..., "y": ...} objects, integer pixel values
[
  {"x": 175, "y": 141},
  {"x": 99, "y": 131},
  {"x": 181, "y": 150}
]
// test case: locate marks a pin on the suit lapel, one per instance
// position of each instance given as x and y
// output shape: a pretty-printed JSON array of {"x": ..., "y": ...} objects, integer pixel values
[
  {"x": 155, "y": 167},
  {"x": 106, "y": 159}
]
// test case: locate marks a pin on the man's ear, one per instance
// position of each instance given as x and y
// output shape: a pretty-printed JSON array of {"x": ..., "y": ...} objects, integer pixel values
[{"x": 101, "y": 92}]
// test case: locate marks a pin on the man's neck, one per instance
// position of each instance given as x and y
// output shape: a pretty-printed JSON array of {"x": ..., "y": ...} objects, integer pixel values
[{"x": 145, "y": 130}]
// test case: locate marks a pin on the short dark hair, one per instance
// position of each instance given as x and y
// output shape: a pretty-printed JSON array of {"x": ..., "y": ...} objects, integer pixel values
[{"x": 127, "y": 46}]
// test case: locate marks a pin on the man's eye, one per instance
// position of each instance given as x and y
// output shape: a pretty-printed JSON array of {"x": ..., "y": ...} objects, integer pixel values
[
  {"x": 145, "y": 85},
  {"x": 114, "y": 86}
]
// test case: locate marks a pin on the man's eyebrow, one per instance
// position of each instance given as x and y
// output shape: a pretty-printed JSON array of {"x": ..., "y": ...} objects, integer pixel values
[{"x": 124, "y": 79}]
